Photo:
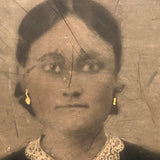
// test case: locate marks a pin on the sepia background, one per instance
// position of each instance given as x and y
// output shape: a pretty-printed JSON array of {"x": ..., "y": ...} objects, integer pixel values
[{"x": 138, "y": 120}]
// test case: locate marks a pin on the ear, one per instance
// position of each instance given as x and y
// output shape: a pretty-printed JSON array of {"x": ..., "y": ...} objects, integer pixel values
[
  {"x": 18, "y": 90},
  {"x": 119, "y": 86}
]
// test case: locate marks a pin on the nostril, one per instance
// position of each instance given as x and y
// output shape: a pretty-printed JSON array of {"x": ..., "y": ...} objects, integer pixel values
[
  {"x": 76, "y": 94},
  {"x": 65, "y": 94}
]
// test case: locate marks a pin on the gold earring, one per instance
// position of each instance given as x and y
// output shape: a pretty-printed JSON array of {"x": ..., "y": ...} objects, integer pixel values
[
  {"x": 115, "y": 101},
  {"x": 27, "y": 100}
]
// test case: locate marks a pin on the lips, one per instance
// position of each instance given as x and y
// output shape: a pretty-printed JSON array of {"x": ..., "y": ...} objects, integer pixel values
[{"x": 72, "y": 106}]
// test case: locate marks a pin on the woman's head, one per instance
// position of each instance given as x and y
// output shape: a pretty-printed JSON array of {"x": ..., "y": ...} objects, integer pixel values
[{"x": 71, "y": 54}]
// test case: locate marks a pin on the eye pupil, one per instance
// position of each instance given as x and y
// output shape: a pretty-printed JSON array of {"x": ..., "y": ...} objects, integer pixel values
[
  {"x": 52, "y": 68},
  {"x": 91, "y": 68}
]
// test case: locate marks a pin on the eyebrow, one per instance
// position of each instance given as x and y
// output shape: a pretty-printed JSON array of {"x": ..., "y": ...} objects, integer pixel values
[
  {"x": 53, "y": 55},
  {"x": 92, "y": 55},
  {"x": 87, "y": 56}
]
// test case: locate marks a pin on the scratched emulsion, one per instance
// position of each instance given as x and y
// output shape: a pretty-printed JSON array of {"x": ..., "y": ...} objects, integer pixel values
[
  {"x": 152, "y": 78},
  {"x": 140, "y": 25}
]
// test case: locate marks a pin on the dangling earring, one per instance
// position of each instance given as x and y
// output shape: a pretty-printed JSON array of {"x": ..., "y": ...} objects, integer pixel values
[
  {"x": 24, "y": 98},
  {"x": 27, "y": 100},
  {"x": 114, "y": 101},
  {"x": 114, "y": 109}
]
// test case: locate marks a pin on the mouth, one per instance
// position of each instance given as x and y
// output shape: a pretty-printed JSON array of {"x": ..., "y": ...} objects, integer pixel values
[{"x": 72, "y": 106}]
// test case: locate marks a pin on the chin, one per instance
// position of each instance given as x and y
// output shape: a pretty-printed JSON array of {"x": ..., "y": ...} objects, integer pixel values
[{"x": 82, "y": 126}]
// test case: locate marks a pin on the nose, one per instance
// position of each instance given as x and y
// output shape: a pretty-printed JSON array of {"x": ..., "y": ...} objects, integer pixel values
[
  {"x": 74, "y": 94},
  {"x": 75, "y": 90}
]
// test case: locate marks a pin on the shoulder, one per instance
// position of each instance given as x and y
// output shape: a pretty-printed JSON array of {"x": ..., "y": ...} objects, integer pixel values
[
  {"x": 134, "y": 152},
  {"x": 20, "y": 155},
  {"x": 130, "y": 152}
]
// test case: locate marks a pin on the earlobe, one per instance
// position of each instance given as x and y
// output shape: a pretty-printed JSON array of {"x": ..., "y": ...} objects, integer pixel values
[
  {"x": 119, "y": 87},
  {"x": 23, "y": 98},
  {"x": 20, "y": 88},
  {"x": 19, "y": 91}
]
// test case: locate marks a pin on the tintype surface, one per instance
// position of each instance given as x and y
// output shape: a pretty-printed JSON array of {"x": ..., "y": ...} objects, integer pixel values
[{"x": 68, "y": 67}]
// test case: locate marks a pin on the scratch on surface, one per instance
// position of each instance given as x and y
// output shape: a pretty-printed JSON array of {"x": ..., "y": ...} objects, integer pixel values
[
  {"x": 4, "y": 42},
  {"x": 139, "y": 80},
  {"x": 129, "y": 120},
  {"x": 16, "y": 128},
  {"x": 143, "y": 95},
  {"x": 65, "y": 21},
  {"x": 134, "y": 138},
  {"x": 151, "y": 78},
  {"x": 96, "y": 135},
  {"x": 2, "y": 59},
  {"x": 30, "y": 69},
  {"x": 21, "y": 6},
  {"x": 68, "y": 60},
  {"x": 7, "y": 74},
  {"x": 155, "y": 19},
  {"x": 15, "y": 124},
  {"x": 28, "y": 13},
  {"x": 4, "y": 27},
  {"x": 117, "y": 3},
  {"x": 70, "y": 80},
  {"x": 12, "y": 107}
]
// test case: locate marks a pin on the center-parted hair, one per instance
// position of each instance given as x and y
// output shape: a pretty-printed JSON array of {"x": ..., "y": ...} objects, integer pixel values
[{"x": 45, "y": 15}]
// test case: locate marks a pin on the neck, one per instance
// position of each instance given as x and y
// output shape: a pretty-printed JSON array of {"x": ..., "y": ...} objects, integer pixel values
[{"x": 73, "y": 145}]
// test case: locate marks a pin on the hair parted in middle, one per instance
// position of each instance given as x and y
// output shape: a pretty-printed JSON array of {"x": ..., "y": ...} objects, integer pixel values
[{"x": 45, "y": 15}]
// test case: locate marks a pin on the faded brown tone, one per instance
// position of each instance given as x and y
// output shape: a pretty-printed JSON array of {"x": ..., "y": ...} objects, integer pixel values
[{"x": 138, "y": 120}]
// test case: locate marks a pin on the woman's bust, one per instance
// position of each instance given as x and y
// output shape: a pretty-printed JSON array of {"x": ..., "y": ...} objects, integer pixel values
[{"x": 70, "y": 56}]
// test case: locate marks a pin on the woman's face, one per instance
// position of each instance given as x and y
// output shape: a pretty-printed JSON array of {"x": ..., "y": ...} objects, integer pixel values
[{"x": 70, "y": 88}]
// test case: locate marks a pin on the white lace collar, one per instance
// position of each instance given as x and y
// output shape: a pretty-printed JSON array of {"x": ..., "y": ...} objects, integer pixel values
[{"x": 110, "y": 151}]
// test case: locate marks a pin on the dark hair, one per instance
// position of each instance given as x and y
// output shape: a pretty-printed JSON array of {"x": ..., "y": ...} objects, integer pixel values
[{"x": 47, "y": 14}]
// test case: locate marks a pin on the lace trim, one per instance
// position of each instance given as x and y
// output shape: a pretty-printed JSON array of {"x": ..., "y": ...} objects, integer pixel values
[
  {"x": 110, "y": 151},
  {"x": 34, "y": 151}
]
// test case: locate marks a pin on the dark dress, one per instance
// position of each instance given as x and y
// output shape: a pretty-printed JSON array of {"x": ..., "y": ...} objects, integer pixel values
[{"x": 130, "y": 152}]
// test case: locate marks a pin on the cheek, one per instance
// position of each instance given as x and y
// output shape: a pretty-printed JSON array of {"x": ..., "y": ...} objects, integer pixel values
[
  {"x": 103, "y": 97},
  {"x": 44, "y": 91},
  {"x": 101, "y": 93}
]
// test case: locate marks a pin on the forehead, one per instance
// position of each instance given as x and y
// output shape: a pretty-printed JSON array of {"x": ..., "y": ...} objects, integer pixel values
[{"x": 69, "y": 38}]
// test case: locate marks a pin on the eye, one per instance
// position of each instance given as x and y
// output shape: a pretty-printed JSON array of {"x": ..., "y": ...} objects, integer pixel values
[
  {"x": 91, "y": 68},
  {"x": 52, "y": 68}
]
